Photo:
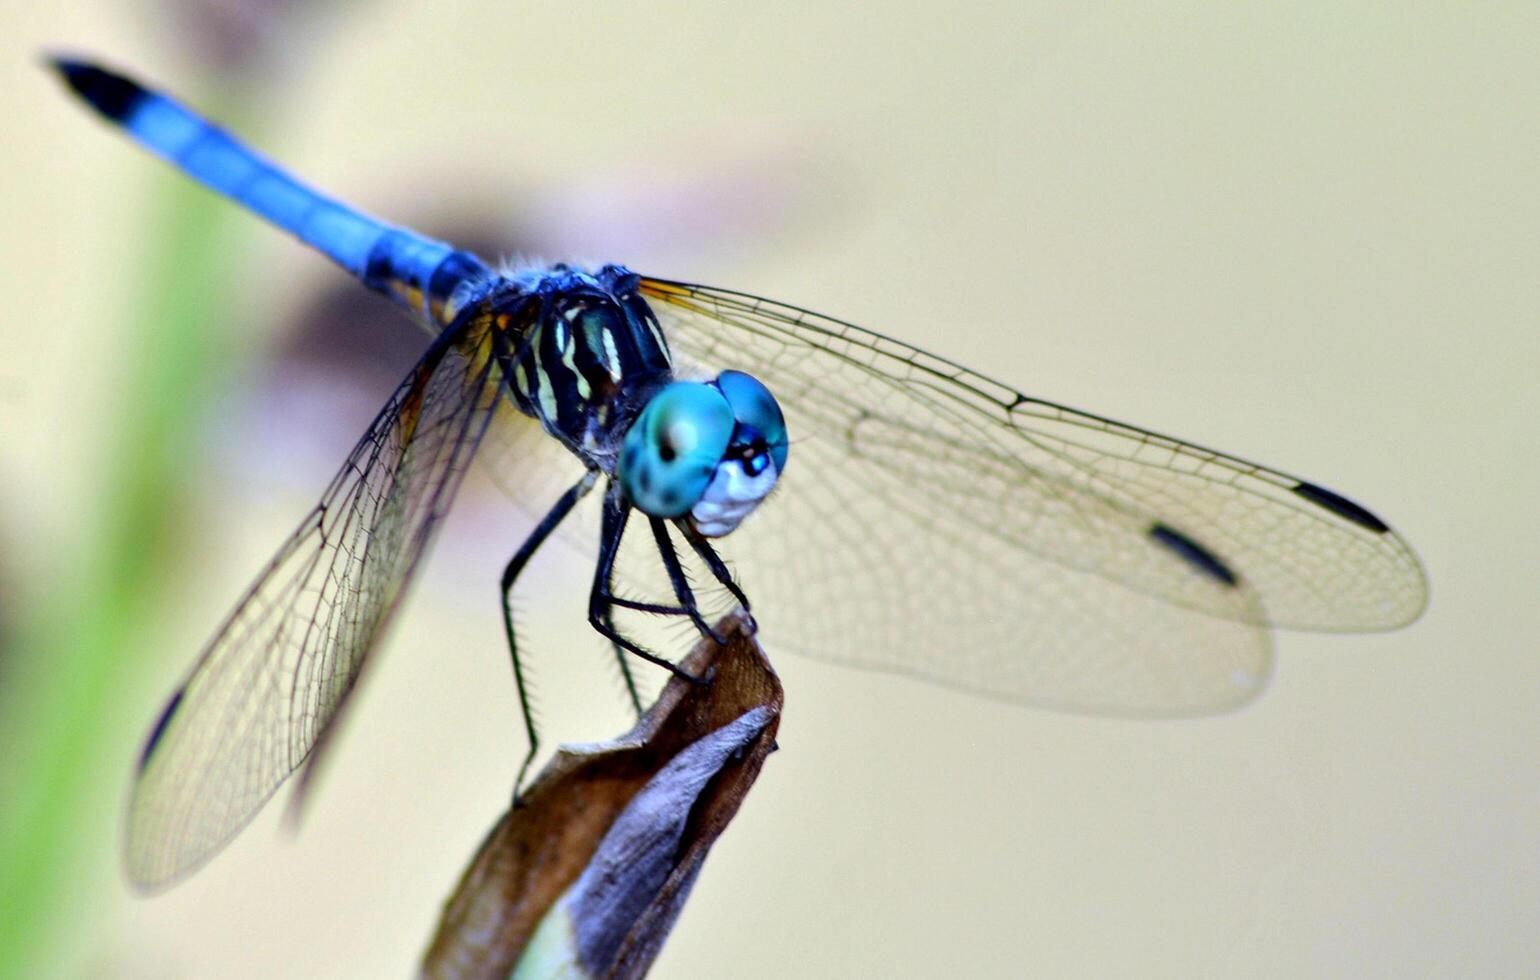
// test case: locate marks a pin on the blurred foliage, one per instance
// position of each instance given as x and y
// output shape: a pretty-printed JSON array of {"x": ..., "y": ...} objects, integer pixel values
[{"x": 77, "y": 650}]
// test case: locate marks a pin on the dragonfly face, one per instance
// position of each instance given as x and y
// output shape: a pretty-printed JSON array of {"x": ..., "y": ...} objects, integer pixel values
[{"x": 709, "y": 450}]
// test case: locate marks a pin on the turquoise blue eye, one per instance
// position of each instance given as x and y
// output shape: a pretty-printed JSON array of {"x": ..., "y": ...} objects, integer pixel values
[
  {"x": 753, "y": 406},
  {"x": 672, "y": 449}
]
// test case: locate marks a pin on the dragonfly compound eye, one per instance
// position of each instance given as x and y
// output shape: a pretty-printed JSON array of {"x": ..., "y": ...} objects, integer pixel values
[
  {"x": 673, "y": 448},
  {"x": 756, "y": 411},
  {"x": 753, "y": 461}
]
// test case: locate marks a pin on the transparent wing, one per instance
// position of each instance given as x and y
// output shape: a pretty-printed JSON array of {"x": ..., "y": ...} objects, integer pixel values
[
  {"x": 270, "y": 683},
  {"x": 936, "y": 523},
  {"x": 533, "y": 470}
]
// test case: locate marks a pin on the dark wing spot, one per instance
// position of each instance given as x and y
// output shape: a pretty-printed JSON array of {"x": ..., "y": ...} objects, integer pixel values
[
  {"x": 160, "y": 728},
  {"x": 110, "y": 94},
  {"x": 1193, "y": 553},
  {"x": 1341, "y": 506}
]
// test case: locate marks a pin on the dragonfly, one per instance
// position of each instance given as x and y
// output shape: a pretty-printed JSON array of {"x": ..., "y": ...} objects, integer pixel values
[{"x": 937, "y": 523}]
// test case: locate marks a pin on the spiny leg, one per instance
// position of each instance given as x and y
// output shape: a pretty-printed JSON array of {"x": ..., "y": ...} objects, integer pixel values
[
  {"x": 612, "y": 527},
  {"x": 676, "y": 578},
  {"x": 718, "y": 567},
  {"x": 625, "y": 667},
  {"x": 656, "y": 609},
  {"x": 515, "y": 565}
]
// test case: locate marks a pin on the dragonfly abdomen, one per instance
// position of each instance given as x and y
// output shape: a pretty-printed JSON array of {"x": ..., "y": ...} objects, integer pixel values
[{"x": 417, "y": 272}]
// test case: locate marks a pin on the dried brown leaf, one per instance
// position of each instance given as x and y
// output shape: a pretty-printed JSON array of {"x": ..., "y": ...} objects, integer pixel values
[{"x": 611, "y": 836}]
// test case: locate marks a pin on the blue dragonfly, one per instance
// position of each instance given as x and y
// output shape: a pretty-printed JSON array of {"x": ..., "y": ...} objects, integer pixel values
[{"x": 937, "y": 524}]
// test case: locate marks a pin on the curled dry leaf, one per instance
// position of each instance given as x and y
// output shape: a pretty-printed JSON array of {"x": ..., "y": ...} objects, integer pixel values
[{"x": 587, "y": 876}]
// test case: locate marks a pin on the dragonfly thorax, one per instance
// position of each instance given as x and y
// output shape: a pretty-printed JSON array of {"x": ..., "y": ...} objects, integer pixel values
[{"x": 588, "y": 356}]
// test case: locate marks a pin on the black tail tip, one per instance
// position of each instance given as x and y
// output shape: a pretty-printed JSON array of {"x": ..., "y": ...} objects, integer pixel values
[{"x": 108, "y": 92}]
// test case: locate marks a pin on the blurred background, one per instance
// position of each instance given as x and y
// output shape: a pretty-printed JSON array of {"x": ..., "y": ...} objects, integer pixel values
[{"x": 1307, "y": 235}]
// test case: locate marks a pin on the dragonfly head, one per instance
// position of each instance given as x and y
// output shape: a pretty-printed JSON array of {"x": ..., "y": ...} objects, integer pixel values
[{"x": 710, "y": 450}]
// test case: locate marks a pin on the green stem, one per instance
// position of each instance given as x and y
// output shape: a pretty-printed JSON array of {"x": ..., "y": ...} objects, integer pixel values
[{"x": 81, "y": 651}]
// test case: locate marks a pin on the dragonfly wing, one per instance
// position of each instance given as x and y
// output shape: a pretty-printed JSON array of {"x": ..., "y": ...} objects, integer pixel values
[
  {"x": 937, "y": 523},
  {"x": 272, "y": 681},
  {"x": 530, "y": 467}
]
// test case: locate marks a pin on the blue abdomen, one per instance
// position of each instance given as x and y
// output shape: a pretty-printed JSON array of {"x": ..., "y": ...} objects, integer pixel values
[{"x": 418, "y": 272}]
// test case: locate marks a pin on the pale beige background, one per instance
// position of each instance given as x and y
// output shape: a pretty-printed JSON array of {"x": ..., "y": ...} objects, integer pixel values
[{"x": 1309, "y": 236}]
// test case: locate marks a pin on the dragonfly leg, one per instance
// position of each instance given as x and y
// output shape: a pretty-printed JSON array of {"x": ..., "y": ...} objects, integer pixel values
[
  {"x": 676, "y": 578},
  {"x": 718, "y": 567},
  {"x": 516, "y": 565},
  {"x": 646, "y": 607},
  {"x": 612, "y": 529},
  {"x": 625, "y": 667}
]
